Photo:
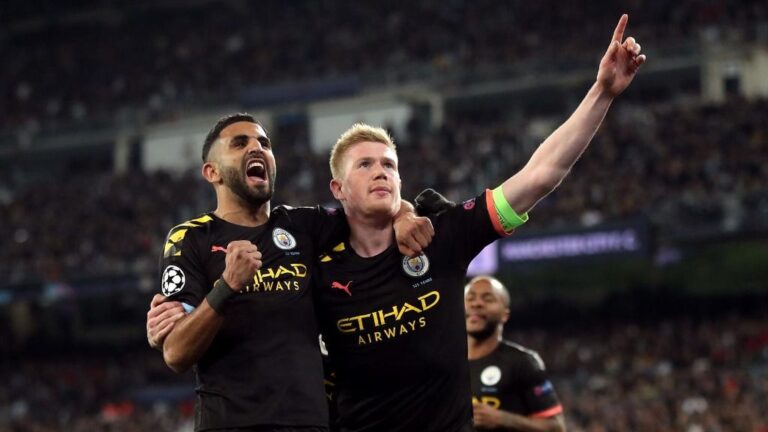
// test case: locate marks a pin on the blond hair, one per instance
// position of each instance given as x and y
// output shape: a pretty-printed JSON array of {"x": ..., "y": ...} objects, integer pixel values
[{"x": 359, "y": 132}]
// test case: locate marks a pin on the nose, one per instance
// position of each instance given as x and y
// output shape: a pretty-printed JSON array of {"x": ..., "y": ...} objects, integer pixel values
[
  {"x": 254, "y": 147},
  {"x": 380, "y": 173}
]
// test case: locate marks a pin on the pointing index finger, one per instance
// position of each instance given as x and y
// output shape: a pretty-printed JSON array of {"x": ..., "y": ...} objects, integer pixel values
[{"x": 618, "y": 34}]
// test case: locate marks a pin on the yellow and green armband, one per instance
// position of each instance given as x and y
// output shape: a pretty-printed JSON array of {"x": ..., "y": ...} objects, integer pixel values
[{"x": 508, "y": 218}]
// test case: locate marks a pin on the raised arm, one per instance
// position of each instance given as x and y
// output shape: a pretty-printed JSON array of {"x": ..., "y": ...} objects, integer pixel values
[{"x": 553, "y": 159}]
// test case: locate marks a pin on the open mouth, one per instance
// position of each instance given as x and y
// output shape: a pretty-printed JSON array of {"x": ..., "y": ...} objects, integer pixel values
[
  {"x": 473, "y": 317},
  {"x": 256, "y": 170}
]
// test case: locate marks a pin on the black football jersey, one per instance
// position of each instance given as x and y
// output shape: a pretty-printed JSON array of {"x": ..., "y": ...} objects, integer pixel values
[
  {"x": 264, "y": 365},
  {"x": 395, "y": 331},
  {"x": 513, "y": 378}
]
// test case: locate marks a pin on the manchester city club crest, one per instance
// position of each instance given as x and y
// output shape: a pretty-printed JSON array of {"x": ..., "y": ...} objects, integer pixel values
[
  {"x": 283, "y": 239},
  {"x": 490, "y": 375},
  {"x": 416, "y": 267}
]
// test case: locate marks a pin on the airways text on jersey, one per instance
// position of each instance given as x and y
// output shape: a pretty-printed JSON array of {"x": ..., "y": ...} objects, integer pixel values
[
  {"x": 389, "y": 322},
  {"x": 279, "y": 278}
]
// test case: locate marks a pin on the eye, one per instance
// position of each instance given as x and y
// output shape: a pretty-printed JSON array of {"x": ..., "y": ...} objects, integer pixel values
[
  {"x": 265, "y": 142},
  {"x": 389, "y": 165},
  {"x": 365, "y": 164}
]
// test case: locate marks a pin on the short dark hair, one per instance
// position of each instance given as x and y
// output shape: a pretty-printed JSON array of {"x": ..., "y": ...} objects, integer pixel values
[{"x": 223, "y": 122}]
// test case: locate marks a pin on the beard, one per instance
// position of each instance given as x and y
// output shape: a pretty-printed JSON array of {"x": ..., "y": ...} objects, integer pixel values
[
  {"x": 234, "y": 179},
  {"x": 485, "y": 332}
]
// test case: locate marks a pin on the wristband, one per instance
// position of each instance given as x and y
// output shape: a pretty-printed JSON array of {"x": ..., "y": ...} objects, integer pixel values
[
  {"x": 219, "y": 295},
  {"x": 507, "y": 216}
]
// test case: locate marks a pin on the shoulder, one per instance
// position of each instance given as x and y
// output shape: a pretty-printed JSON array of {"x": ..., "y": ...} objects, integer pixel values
[
  {"x": 287, "y": 209},
  {"x": 521, "y": 355},
  {"x": 304, "y": 211},
  {"x": 337, "y": 253},
  {"x": 181, "y": 234}
]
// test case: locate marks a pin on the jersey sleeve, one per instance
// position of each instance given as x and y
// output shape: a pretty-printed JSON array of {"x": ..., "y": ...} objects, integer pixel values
[
  {"x": 539, "y": 396},
  {"x": 326, "y": 226},
  {"x": 469, "y": 227},
  {"x": 182, "y": 269}
]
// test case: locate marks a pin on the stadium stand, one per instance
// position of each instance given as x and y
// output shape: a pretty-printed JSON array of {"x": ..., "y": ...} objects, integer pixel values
[
  {"x": 79, "y": 254},
  {"x": 706, "y": 171}
]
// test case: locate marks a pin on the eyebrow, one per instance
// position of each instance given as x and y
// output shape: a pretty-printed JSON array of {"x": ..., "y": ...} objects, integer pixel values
[
  {"x": 371, "y": 158},
  {"x": 260, "y": 138}
]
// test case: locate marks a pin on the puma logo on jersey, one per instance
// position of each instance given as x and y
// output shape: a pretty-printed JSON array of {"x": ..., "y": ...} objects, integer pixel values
[
  {"x": 339, "y": 286},
  {"x": 218, "y": 249}
]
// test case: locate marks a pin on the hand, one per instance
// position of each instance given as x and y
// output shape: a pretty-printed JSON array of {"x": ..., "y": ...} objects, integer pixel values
[
  {"x": 242, "y": 262},
  {"x": 413, "y": 234},
  {"x": 620, "y": 62},
  {"x": 431, "y": 202},
  {"x": 486, "y": 416},
  {"x": 161, "y": 318}
]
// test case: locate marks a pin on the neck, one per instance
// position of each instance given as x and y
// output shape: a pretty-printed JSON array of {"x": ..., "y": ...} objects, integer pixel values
[
  {"x": 479, "y": 348},
  {"x": 369, "y": 236},
  {"x": 238, "y": 212}
]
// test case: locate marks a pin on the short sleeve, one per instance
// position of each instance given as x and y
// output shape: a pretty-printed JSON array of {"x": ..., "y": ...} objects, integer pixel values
[
  {"x": 539, "y": 396},
  {"x": 469, "y": 227},
  {"x": 326, "y": 226},
  {"x": 182, "y": 269}
]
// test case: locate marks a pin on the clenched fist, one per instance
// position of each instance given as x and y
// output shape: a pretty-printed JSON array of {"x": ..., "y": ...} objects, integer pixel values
[
  {"x": 413, "y": 234},
  {"x": 242, "y": 262}
]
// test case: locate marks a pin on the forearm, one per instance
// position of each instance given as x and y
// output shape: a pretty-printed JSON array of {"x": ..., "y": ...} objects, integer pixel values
[
  {"x": 191, "y": 337},
  {"x": 553, "y": 159},
  {"x": 519, "y": 423},
  {"x": 565, "y": 145}
]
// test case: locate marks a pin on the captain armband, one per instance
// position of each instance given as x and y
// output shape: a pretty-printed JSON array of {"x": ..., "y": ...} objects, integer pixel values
[{"x": 508, "y": 218}]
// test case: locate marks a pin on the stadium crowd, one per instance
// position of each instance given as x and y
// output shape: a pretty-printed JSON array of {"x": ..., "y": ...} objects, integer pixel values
[
  {"x": 93, "y": 393},
  {"x": 68, "y": 65},
  {"x": 64, "y": 65},
  {"x": 706, "y": 171},
  {"x": 674, "y": 375}
]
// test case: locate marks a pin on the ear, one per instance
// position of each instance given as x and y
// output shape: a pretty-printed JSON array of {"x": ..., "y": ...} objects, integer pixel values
[
  {"x": 335, "y": 186},
  {"x": 211, "y": 172},
  {"x": 505, "y": 316}
]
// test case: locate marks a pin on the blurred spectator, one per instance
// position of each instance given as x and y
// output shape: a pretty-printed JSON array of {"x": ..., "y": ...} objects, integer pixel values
[
  {"x": 77, "y": 64},
  {"x": 676, "y": 375},
  {"x": 705, "y": 171}
]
